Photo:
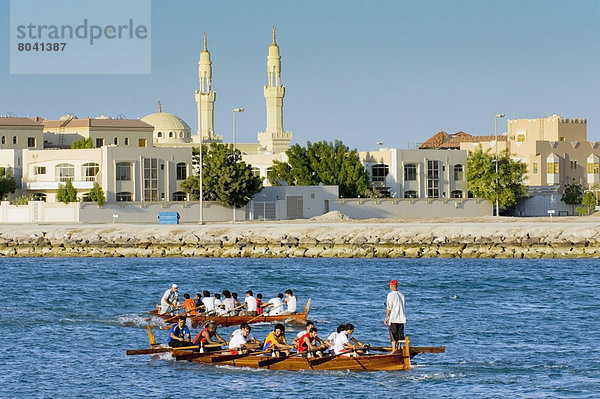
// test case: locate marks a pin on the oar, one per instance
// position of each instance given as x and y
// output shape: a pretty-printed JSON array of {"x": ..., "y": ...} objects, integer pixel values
[
  {"x": 263, "y": 314},
  {"x": 417, "y": 349},
  {"x": 149, "y": 351},
  {"x": 195, "y": 355},
  {"x": 224, "y": 358},
  {"x": 273, "y": 360}
]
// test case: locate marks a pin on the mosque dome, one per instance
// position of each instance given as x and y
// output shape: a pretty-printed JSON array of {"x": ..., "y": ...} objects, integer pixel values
[{"x": 168, "y": 128}]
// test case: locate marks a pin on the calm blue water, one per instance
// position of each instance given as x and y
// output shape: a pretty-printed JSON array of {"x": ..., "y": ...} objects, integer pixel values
[{"x": 526, "y": 328}]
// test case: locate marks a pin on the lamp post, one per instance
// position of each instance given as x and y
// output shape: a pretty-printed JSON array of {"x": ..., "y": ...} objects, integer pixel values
[
  {"x": 235, "y": 111},
  {"x": 379, "y": 144},
  {"x": 201, "y": 221},
  {"x": 496, "y": 140}
]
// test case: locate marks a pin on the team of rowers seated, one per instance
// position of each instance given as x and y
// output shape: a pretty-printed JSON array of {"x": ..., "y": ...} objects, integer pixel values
[
  {"x": 242, "y": 341},
  {"x": 230, "y": 305}
]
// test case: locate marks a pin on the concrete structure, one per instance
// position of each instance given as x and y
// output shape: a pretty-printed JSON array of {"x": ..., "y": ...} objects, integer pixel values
[
  {"x": 19, "y": 133},
  {"x": 291, "y": 202},
  {"x": 169, "y": 130},
  {"x": 417, "y": 173}
]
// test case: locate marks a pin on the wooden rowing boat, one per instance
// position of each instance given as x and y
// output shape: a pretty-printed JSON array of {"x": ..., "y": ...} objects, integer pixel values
[
  {"x": 226, "y": 321},
  {"x": 370, "y": 362},
  {"x": 294, "y": 362}
]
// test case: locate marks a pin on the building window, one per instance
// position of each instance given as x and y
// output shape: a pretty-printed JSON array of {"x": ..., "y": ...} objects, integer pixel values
[
  {"x": 123, "y": 171},
  {"x": 170, "y": 134},
  {"x": 410, "y": 194},
  {"x": 159, "y": 135},
  {"x": 39, "y": 197},
  {"x": 126, "y": 141},
  {"x": 14, "y": 139},
  {"x": 592, "y": 168},
  {"x": 30, "y": 141},
  {"x": 150, "y": 179},
  {"x": 379, "y": 172},
  {"x": 255, "y": 172},
  {"x": 124, "y": 196},
  {"x": 458, "y": 173},
  {"x": 433, "y": 179},
  {"x": 269, "y": 173},
  {"x": 180, "y": 135},
  {"x": 3, "y": 139},
  {"x": 573, "y": 164},
  {"x": 410, "y": 172},
  {"x": 116, "y": 141},
  {"x": 535, "y": 167},
  {"x": 553, "y": 168},
  {"x": 456, "y": 194},
  {"x": 99, "y": 142},
  {"x": 141, "y": 142},
  {"x": 181, "y": 171},
  {"x": 65, "y": 171},
  {"x": 179, "y": 196},
  {"x": 90, "y": 170},
  {"x": 39, "y": 170}
]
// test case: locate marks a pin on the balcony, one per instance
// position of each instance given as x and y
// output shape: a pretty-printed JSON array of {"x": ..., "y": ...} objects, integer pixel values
[{"x": 53, "y": 185}]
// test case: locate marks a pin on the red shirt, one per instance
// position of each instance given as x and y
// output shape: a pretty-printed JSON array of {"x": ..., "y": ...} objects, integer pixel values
[
  {"x": 203, "y": 340},
  {"x": 302, "y": 346},
  {"x": 259, "y": 310}
]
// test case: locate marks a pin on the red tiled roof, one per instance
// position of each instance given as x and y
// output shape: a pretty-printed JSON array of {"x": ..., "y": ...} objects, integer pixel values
[
  {"x": 19, "y": 122},
  {"x": 435, "y": 141},
  {"x": 443, "y": 140}
]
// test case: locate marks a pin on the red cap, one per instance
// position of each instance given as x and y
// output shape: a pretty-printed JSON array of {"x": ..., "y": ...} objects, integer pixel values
[{"x": 393, "y": 282}]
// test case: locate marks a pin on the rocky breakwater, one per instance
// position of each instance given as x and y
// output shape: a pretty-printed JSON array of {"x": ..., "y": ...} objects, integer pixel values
[{"x": 450, "y": 239}]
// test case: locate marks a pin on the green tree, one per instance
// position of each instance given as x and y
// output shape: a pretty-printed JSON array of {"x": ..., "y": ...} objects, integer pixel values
[
  {"x": 8, "y": 185},
  {"x": 508, "y": 185},
  {"x": 589, "y": 201},
  {"x": 573, "y": 194},
  {"x": 323, "y": 162},
  {"x": 83, "y": 143},
  {"x": 97, "y": 194},
  {"x": 66, "y": 193},
  {"x": 223, "y": 180}
]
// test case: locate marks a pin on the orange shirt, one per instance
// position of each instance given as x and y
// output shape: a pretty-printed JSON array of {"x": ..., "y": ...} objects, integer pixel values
[{"x": 190, "y": 306}]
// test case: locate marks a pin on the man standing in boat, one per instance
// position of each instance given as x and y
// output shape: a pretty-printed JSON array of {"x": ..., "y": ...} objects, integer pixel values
[
  {"x": 180, "y": 335},
  {"x": 169, "y": 300},
  {"x": 394, "y": 315}
]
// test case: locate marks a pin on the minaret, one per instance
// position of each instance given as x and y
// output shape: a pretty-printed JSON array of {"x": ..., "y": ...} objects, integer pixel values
[
  {"x": 205, "y": 98},
  {"x": 274, "y": 139}
]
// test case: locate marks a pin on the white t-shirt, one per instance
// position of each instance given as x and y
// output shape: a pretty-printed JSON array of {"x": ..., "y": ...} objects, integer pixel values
[
  {"x": 276, "y": 302},
  {"x": 209, "y": 303},
  {"x": 217, "y": 304},
  {"x": 340, "y": 342},
  {"x": 168, "y": 296},
  {"x": 237, "y": 340},
  {"x": 396, "y": 304},
  {"x": 228, "y": 302},
  {"x": 292, "y": 304},
  {"x": 250, "y": 337},
  {"x": 331, "y": 340},
  {"x": 251, "y": 301}
]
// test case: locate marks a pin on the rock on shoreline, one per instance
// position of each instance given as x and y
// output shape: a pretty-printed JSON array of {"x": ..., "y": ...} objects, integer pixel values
[{"x": 482, "y": 238}]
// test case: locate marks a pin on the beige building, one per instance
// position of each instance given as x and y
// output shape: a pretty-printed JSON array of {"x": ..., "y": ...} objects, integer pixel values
[
  {"x": 417, "y": 173},
  {"x": 555, "y": 150},
  {"x": 20, "y": 133}
]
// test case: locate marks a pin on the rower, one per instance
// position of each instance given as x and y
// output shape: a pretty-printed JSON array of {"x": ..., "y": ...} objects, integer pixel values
[
  {"x": 274, "y": 305},
  {"x": 249, "y": 305},
  {"x": 208, "y": 301},
  {"x": 309, "y": 325},
  {"x": 219, "y": 307},
  {"x": 240, "y": 342},
  {"x": 259, "y": 309},
  {"x": 241, "y": 330},
  {"x": 236, "y": 301},
  {"x": 342, "y": 342},
  {"x": 312, "y": 344},
  {"x": 169, "y": 300},
  {"x": 189, "y": 305},
  {"x": 229, "y": 304},
  {"x": 330, "y": 341},
  {"x": 209, "y": 336},
  {"x": 291, "y": 302},
  {"x": 179, "y": 335},
  {"x": 275, "y": 341}
]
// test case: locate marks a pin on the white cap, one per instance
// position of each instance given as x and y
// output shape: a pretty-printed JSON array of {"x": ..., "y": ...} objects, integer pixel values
[{"x": 174, "y": 286}]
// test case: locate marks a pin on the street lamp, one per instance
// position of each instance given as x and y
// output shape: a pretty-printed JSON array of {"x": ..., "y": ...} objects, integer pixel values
[
  {"x": 235, "y": 111},
  {"x": 201, "y": 221},
  {"x": 496, "y": 139}
]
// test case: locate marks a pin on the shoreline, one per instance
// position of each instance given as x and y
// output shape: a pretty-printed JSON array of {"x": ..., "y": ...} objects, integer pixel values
[{"x": 488, "y": 237}]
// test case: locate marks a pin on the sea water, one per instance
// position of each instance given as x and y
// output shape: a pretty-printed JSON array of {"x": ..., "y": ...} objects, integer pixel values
[{"x": 511, "y": 328}]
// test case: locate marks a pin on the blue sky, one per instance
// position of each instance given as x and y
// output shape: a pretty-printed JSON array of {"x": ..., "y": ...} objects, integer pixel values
[{"x": 358, "y": 71}]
